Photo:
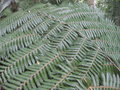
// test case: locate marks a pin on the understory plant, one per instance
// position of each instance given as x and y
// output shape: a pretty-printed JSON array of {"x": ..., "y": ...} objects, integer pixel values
[{"x": 67, "y": 47}]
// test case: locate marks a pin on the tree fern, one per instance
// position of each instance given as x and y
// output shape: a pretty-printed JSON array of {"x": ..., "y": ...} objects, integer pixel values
[{"x": 67, "y": 47}]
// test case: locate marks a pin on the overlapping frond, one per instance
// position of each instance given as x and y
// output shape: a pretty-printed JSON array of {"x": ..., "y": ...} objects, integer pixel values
[
  {"x": 50, "y": 47},
  {"x": 109, "y": 82}
]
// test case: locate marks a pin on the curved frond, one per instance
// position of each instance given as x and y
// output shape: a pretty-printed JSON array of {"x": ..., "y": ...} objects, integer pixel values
[{"x": 66, "y": 47}]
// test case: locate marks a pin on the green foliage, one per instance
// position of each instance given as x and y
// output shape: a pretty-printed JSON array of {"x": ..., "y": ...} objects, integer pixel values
[
  {"x": 112, "y": 8},
  {"x": 67, "y": 47},
  {"x": 24, "y": 4}
]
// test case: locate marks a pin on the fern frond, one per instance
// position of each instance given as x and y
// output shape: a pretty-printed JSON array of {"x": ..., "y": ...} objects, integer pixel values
[
  {"x": 65, "y": 47},
  {"x": 13, "y": 42},
  {"x": 109, "y": 82}
]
